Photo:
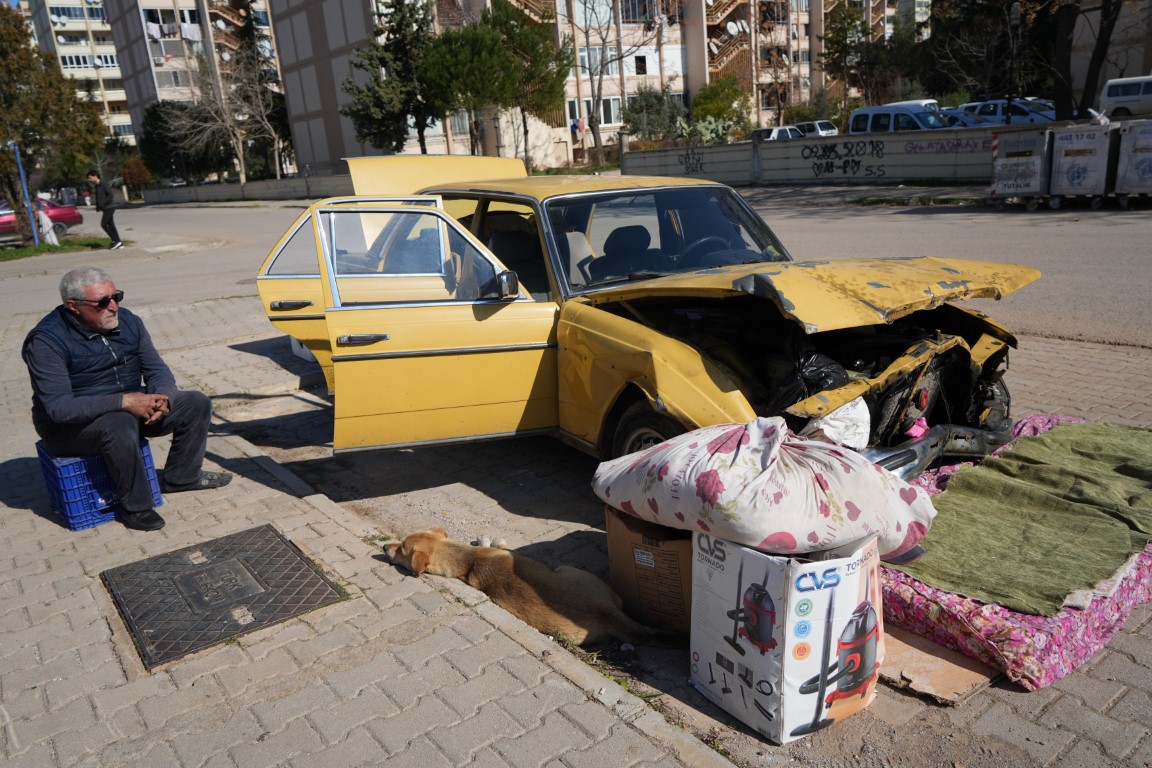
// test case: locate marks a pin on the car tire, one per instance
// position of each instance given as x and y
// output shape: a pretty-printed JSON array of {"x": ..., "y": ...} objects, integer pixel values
[
  {"x": 1121, "y": 112},
  {"x": 641, "y": 427},
  {"x": 60, "y": 229}
]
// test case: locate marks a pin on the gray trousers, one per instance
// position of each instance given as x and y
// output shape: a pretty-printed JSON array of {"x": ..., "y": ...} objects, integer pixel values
[{"x": 116, "y": 437}]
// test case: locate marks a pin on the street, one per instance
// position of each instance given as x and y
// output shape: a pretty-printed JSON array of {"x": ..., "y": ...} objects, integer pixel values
[{"x": 1084, "y": 351}]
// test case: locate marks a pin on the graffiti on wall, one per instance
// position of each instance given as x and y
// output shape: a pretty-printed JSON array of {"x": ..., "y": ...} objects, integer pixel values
[
  {"x": 692, "y": 160},
  {"x": 846, "y": 158}
]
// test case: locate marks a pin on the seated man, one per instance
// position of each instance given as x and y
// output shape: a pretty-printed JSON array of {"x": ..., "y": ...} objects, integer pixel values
[{"x": 99, "y": 386}]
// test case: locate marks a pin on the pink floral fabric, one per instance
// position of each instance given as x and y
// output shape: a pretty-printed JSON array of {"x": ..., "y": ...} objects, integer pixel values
[
  {"x": 1033, "y": 651},
  {"x": 759, "y": 485}
]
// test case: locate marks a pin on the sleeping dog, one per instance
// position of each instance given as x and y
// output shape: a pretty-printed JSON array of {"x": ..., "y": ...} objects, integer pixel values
[{"x": 566, "y": 601}]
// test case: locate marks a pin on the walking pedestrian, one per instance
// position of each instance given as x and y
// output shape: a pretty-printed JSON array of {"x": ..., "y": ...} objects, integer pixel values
[{"x": 105, "y": 203}]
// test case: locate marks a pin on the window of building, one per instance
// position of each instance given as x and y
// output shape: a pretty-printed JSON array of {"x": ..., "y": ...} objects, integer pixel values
[
  {"x": 66, "y": 11},
  {"x": 458, "y": 122},
  {"x": 573, "y": 109},
  {"x": 609, "y": 110},
  {"x": 122, "y": 130},
  {"x": 71, "y": 61},
  {"x": 634, "y": 11},
  {"x": 107, "y": 60},
  {"x": 592, "y": 59},
  {"x": 641, "y": 65},
  {"x": 804, "y": 58},
  {"x": 96, "y": 13}
]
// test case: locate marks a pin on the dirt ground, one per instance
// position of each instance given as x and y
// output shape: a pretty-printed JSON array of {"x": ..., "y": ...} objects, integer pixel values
[{"x": 535, "y": 493}]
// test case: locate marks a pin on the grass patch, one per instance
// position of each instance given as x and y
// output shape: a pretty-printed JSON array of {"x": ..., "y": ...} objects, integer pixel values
[{"x": 69, "y": 245}]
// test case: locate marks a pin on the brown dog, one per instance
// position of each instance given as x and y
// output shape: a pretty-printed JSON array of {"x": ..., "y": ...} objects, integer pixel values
[{"x": 567, "y": 601}]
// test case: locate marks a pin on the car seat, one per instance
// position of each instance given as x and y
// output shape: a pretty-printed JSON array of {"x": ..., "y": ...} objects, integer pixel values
[
  {"x": 520, "y": 252},
  {"x": 626, "y": 251}
]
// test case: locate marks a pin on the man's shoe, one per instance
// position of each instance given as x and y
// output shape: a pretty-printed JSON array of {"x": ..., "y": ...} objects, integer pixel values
[
  {"x": 116, "y": 245},
  {"x": 148, "y": 520},
  {"x": 207, "y": 480}
]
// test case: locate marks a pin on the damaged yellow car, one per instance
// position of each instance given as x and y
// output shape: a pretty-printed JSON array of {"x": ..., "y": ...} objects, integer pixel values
[{"x": 615, "y": 312}]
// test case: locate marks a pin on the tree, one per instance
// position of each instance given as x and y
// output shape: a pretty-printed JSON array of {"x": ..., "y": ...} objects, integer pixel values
[
  {"x": 40, "y": 114},
  {"x": 388, "y": 92},
  {"x": 844, "y": 33},
  {"x": 163, "y": 153},
  {"x": 724, "y": 100},
  {"x": 652, "y": 114},
  {"x": 471, "y": 68},
  {"x": 1066, "y": 16},
  {"x": 600, "y": 29},
  {"x": 135, "y": 173},
  {"x": 540, "y": 67}
]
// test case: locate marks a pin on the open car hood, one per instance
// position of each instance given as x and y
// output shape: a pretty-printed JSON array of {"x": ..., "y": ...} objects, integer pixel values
[{"x": 844, "y": 293}]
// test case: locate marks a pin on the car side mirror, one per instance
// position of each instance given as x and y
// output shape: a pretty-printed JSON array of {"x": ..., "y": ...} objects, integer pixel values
[{"x": 508, "y": 285}]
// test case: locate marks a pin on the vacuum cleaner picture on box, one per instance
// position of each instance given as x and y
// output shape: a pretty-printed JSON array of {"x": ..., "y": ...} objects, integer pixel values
[{"x": 770, "y": 659}]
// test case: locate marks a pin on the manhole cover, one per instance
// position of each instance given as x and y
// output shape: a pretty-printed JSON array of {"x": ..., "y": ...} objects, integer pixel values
[{"x": 202, "y": 595}]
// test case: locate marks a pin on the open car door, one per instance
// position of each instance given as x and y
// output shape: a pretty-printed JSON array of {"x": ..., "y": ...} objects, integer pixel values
[{"x": 427, "y": 343}]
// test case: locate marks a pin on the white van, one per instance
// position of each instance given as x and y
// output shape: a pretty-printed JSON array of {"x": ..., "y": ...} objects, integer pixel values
[
  {"x": 895, "y": 117},
  {"x": 1127, "y": 96}
]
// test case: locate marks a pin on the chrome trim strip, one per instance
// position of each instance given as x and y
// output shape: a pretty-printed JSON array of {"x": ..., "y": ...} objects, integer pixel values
[
  {"x": 280, "y": 318},
  {"x": 445, "y": 352},
  {"x": 449, "y": 440}
]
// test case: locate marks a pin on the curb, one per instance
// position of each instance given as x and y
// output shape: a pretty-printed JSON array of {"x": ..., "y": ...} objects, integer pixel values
[{"x": 629, "y": 709}]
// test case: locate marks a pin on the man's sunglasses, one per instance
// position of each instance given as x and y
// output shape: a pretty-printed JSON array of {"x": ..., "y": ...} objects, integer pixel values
[{"x": 104, "y": 302}]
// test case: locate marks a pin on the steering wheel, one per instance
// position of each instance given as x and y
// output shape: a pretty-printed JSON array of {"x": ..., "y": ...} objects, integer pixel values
[{"x": 694, "y": 253}]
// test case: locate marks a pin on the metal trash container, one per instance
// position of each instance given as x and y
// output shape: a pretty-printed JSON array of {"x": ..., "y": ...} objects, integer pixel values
[
  {"x": 1133, "y": 160},
  {"x": 1080, "y": 163},
  {"x": 1021, "y": 166}
]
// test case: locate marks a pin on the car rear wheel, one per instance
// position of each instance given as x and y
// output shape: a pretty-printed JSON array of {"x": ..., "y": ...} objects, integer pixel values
[
  {"x": 641, "y": 427},
  {"x": 60, "y": 229}
]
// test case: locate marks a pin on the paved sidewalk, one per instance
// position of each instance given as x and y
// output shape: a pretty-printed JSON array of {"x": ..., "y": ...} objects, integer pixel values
[{"x": 414, "y": 671}]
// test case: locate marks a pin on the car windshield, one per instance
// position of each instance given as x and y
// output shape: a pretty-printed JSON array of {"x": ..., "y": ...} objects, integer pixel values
[
  {"x": 931, "y": 119},
  {"x": 621, "y": 236}
]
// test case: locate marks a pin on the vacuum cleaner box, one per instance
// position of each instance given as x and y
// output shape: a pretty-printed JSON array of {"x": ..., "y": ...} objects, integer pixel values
[
  {"x": 786, "y": 644},
  {"x": 650, "y": 567}
]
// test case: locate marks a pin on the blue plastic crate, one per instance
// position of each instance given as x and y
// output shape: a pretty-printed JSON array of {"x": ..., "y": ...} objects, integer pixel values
[{"x": 81, "y": 489}]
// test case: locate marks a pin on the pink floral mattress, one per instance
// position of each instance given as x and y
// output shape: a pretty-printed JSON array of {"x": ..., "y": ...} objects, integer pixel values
[{"x": 1033, "y": 651}]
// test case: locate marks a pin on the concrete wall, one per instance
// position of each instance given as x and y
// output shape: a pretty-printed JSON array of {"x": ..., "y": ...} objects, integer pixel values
[
  {"x": 296, "y": 188},
  {"x": 948, "y": 155}
]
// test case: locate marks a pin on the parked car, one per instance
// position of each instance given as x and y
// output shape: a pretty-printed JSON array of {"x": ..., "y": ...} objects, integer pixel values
[
  {"x": 1023, "y": 111},
  {"x": 958, "y": 118},
  {"x": 779, "y": 133},
  {"x": 615, "y": 312},
  {"x": 818, "y": 128},
  {"x": 62, "y": 216},
  {"x": 1127, "y": 96},
  {"x": 898, "y": 117}
]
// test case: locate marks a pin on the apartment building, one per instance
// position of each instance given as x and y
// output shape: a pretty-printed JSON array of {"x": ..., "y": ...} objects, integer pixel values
[{"x": 78, "y": 33}]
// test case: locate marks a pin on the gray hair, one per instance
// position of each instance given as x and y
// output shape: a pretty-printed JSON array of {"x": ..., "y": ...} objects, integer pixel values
[{"x": 72, "y": 284}]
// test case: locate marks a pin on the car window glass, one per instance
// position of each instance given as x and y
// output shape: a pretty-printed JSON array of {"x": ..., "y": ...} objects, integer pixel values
[
  {"x": 364, "y": 246},
  {"x": 1148, "y": 88},
  {"x": 298, "y": 256},
  {"x": 987, "y": 109},
  {"x": 463, "y": 209},
  {"x": 881, "y": 121},
  {"x": 906, "y": 123},
  {"x": 860, "y": 124}
]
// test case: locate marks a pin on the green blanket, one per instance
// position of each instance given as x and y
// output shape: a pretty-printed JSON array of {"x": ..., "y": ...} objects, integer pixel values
[{"x": 1058, "y": 513}]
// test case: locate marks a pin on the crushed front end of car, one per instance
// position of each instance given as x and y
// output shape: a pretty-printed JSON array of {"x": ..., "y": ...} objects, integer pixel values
[{"x": 870, "y": 353}]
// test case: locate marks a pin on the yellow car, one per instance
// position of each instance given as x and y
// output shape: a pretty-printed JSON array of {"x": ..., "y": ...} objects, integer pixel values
[{"x": 456, "y": 299}]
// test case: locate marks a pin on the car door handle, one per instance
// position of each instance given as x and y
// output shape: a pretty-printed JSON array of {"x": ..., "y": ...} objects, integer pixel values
[
  {"x": 360, "y": 339},
  {"x": 289, "y": 304}
]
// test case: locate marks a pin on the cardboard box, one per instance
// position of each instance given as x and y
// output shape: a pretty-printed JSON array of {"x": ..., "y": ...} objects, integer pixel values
[
  {"x": 787, "y": 645},
  {"x": 650, "y": 567}
]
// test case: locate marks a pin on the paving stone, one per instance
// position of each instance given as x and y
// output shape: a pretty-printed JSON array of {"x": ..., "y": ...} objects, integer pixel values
[
  {"x": 308, "y": 652},
  {"x": 469, "y": 736},
  {"x": 1086, "y": 753},
  {"x": 555, "y": 736},
  {"x": 526, "y": 668},
  {"x": 38, "y": 613},
  {"x": 623, "y": 747},
  {"x": 1134, "y": 706},
  {"x": 1097, "y": 694},
  {"x": 399, "y": 731},
  {"x": 488, "y": 650},
  {"x": 161, "y": 709},
  {"x": 406, "y": 690},
  {"x": 1117, "y": 737},
  {"x": 206, "y": 663},
  {"x": 37, "y": 756},
  {"x": 420, "y": 753},
  {"x": 468, "y": 697},
  {"x": 593, "y": 719},
  {"x": 264, "y": 641},
  {"x": 77, "y": 715},
  {"x": 358, "y": 749},
  {"x": 97, "y": 633},
  {"x": 109, "y": 701},
  {"x": 348, "y": 683},
  {"x": 274, "y": 714},
  {"x": 420, "y": 652},
  {"x": 335, "y": 721},
  {"x": 240, "y": 679},
  {"x": 540, "y": 701},
  {"x": 16, "y": 681},
  {"x": 1026, "y": 704},
  {"x": 60, "y": 692},
  {"x": 271, "y": 750},
  {"x": 1041, "y": 742},
  {"x": 1120, "y": 668},
  {"x": 203, "y": 745}
]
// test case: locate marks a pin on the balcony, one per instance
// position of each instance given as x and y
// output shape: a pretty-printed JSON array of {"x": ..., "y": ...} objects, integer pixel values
[
  {"x": 537, "y": 9},
  {"x": 722, "y": 53},
  {"x": 717, "y": 10},
  {"x": 224, "y": 11}
]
